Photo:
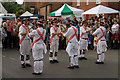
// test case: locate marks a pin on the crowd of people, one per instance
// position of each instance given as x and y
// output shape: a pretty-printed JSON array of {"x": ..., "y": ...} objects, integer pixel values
[
  {"x": 76, "y": 36},
  {"x": 10, "y": 30}
]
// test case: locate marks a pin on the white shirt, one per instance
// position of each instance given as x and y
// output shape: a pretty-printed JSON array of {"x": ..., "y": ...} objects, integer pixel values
[
  {"x": 99, "y": 33},
  {"x": 114, "y": 28},
  {"x": 70, "y": 33},
  {"x": 36, "y": 36},
  {"x": 53, "y": 31},
  {"x": 83, "y": 31},
  {"x": 21, "y": 30}
]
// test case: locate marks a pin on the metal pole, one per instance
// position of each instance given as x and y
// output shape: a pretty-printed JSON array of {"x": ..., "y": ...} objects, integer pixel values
[
  {"x": 24, "y": 6},
  {"x": 46, "y": 14}
]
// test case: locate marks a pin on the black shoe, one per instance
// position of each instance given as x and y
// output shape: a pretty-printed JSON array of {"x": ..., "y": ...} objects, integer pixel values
[
  {"x": 102, "y": 62},
  {"x": 70, "y": 67},
  {"x": 23, "y": 65},
  {"x": 76, "y": 67},
  {"x": 56, "y": 61},
  {"x": 51, "y": 61},
  {"x": 97, "y": 62},
  {"x": 84, "y": 58},
  {"x": 80, "y": 58},
  {"x": 37, "y": 73},
  {"x": 28, "y": 65}
]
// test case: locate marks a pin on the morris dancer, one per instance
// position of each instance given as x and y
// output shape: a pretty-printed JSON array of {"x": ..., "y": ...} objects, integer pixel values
[
  {"x": 83, "y": 41},
  {"x": 25, "y": 44},
  {"x": 38, "y": 48},
  {"x": 54, "y": 42},
  {"x": 101, "y": 43},
  {"x": 72, "y": 45}
]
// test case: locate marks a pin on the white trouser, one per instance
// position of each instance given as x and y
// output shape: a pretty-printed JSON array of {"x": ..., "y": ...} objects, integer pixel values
[
  {"x": 101, "y": 48},
  {"x": 72, "y": 50},
  {"x": 80, "y": 53},
  {"x": 25, "y": 48},
  {"x": 38, "y": 66},
  {"x": 101, "y": 57},
  {"x": 38, "y": 60},
  {"x": 25, "y": 58},
  {"x": 83, "y": 44},
  {"x": 74, "y": 60},
  {"x": 53, "y": 50},
  {"x": 52, "y": 56},
  {"x": 54, "y": 46}
]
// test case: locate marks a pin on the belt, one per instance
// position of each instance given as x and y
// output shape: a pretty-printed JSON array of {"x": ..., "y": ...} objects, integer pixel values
[
  {"x": 72, "y": 42},
  {"x": 39, "y": 43},
  {"x": 85, "y": 38},
  {"x": 102, "y": 40}
]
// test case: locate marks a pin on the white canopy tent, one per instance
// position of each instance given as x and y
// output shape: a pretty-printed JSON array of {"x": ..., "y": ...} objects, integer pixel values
[
  {"x": 2, "y": 9},
  {"x": 100, "y": 9},
  {"x": 71, "y": 17},
  {"x": 26, "y": 14}
]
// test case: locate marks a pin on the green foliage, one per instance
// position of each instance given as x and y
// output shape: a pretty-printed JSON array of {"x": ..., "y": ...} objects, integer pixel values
[
  {"x": 27, "y": 8},
  {"x": 12, "y": 7},
  {"x": 35, "y": 11},
  {"x": 19, "y": 12}
]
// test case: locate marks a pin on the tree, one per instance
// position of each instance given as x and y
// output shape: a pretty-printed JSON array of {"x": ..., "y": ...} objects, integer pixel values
[
  {"x": 27, "y": 8},
  {"x": 18, "y": 13},
  {"x": 35, "y": 11},
  {"x": 12, "y": 7}
]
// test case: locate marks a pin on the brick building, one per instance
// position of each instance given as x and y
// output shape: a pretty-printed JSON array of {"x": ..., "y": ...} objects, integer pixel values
[
  {"x": 87, "y": 5},
  {"x": 47, "y": 7}
]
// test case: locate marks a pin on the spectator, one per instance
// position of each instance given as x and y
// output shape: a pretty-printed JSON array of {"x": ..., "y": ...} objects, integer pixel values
[
  {"x": 4, "y": 35},
  {"x": 45, "y": 27},
  {"x": 9, "y": 28},
  {"x": 106, "y": 25},
  {"x": 91, "y": 23},
  {"x": 14, "y": 36},
  {"x": 75, "y": 20},
  {"x": 31, "y": 24},
  {"x": 34, "y": 24},
  {"x": 116, "y": 39},
  {"x": 109, "y": 33},
  {"x": 62, "y": 38},
  {"x": 110, "y": 21},
  {"x": 115, "y": 27},
  {"x": 80, "y": 19},
  {"x": 95, "y": 40},
  {"x": 78, "y": 27},
  {"x": 67, "y": 24},
  {"x": 117, "y": 18}
]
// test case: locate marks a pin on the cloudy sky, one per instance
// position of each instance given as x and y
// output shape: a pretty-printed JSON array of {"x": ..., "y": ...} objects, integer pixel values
[{"x": 19, "y": 1}]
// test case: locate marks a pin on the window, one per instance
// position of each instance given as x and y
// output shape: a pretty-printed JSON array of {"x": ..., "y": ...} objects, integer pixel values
[
  {"x": 87, "y": 2},
  {"x": 78, "y": 2},
  {"x": 32, "y": 10},
  {"x": 98, "y": 1}
]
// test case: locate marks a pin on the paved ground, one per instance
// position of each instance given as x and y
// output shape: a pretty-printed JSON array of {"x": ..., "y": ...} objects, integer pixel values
[
  {"x": 12, "y": 67},
  {"x": 0, "y": 59}
]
